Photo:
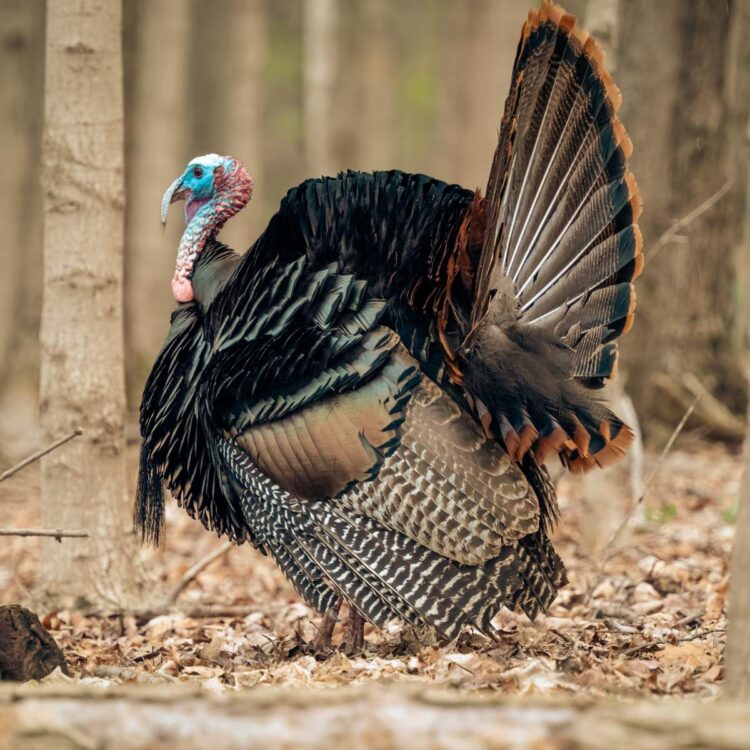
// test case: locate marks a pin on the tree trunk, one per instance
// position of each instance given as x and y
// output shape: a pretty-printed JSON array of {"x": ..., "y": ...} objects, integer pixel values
[
  {"x": 208, "y": 75},
  {"x": 672, "y": 68},
  {"x": 82, "y": 380},
  {"x": 737, "y": 659},
  {"x": 600, "y": 20},
  {"x": 17, "y": 33},
  {"x": 376, "y": 113},
  {"x": 478, "y": 44},
  {"x": 158, "y": 152},
  {"x": 738, "y": 94},
  {"x": 21, "y": 95},
  {"x": 321, "y": 61},
  {"x": 242, "y": 120}
]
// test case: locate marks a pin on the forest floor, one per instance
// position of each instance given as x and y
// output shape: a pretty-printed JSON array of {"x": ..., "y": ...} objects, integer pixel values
[{"x": 645, "y": 616}]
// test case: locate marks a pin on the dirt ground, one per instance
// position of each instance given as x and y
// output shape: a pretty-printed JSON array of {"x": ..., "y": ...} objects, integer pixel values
[{"x": 646, "y": 616}]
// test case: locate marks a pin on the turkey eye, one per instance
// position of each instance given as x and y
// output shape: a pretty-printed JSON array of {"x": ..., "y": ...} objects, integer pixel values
[{"x": 198, "y": 172}]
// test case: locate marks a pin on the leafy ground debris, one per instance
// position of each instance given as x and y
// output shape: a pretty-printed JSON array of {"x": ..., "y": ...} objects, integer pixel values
[{"x": 648, "y": 617}]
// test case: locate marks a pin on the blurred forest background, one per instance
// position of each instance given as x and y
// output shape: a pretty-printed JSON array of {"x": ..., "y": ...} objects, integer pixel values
[{"x": 298, "y": 89}]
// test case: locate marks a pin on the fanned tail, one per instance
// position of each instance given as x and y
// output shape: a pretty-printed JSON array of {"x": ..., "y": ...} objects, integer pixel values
[{"x": 561, "y": 249}]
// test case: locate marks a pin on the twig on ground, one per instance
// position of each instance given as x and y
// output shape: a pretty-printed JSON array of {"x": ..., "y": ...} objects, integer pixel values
[
  {"x": 196, "y": 569},
  {"x": 36, "y": 456},
  {"x": 58, "y": 534},
  {"x": 563, "y": 636},
  {"x": 672, "y": 233},
  {"x": 651, "y": 478},
  {"x": 199, "y": 612},
  {"x": 659, "y": 644},
  {"x": 207, "y": 613},
  {"x": 690, "y": 619}
]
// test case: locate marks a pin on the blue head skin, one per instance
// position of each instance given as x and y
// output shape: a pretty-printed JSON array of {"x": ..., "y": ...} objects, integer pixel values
[
  {"x": 195, "y": 185},
  {"x": 214, "y": 188}
]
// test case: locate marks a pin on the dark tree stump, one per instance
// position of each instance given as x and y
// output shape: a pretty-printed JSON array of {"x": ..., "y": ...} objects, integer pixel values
[{"x": 27, "y": 650}]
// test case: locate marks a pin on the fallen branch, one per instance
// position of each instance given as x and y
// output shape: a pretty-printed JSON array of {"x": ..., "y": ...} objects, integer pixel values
[
  {"x": 36, "y": 456},
  {"x": 58, "y": 534},
  {"x": 712, "y": 414},
  {"x": 198, "y": 612},
  {"x": 196, "y": 569},
  {"x": 660, "y": 644},
  {"x": 62, "y": 713},
  {"x": 672, "y": 235}
]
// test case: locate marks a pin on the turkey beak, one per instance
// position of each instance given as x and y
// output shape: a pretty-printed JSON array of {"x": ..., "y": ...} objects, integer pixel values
[{"x": 175, "y": 192}]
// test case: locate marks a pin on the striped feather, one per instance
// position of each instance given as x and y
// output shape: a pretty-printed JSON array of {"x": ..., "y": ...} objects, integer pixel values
[
  {"x": 560, "y": 253},
  {"x": 384, "y": 574}
]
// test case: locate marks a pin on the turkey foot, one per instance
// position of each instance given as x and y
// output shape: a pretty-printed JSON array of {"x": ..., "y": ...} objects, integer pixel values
[
  {"x": 322, "y": 642},
  {"x": 354, "y": 641}
]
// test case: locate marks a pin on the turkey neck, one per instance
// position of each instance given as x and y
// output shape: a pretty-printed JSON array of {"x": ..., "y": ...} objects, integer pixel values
[{"x": 200, "y": 229}]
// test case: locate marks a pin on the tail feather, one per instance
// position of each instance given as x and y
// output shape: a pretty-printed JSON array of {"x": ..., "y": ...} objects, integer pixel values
[
  {"x": 301, "y": 571},
  {"x": 553, "y": 286}
]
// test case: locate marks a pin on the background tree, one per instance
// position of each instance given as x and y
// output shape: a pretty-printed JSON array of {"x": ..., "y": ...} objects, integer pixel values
[
  {"x": 737, "y": 657},
  {"x": 473, "y": 80},
  {"x": 159, "y": 131},
  {"x": 21, "y": 63},
  {"x": 376, "y": 104},
  {"x": 321, "y": 62},
  {"x": 241, "y": 127},
  {"x": 674, "y": 70},
  {"x": 82, "y": 381}
]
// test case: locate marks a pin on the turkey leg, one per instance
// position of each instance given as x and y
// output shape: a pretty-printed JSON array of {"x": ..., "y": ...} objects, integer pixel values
[
  {"x": 354, "y": 641},
  {"x": 322, "y": 642}
]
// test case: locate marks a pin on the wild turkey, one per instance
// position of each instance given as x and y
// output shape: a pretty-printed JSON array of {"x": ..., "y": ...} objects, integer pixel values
[{"x": 368, "y": 393}]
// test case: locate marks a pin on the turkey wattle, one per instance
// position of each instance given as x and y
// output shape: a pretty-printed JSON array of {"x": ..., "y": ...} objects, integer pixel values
[{"x": 369, "y": 392}]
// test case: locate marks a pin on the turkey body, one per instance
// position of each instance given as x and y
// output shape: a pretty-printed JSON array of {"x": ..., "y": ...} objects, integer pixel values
[{"x": 369, "y": 392}]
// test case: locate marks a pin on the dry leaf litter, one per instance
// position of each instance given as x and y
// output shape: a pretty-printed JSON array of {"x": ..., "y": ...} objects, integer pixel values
[{"x": 645, "y": 616}]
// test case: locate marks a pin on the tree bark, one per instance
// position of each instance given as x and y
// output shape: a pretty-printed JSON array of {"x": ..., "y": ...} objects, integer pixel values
[
  {"x": 376, "y": 111},
  {"x": 601, "y": 20},
  {"x": 738, "y": 95},
  {"x": 321, "y": 63},
  {"x": 478, "y": 45},
  {"x": 19, "y": 34},
  {"x": 158, "y": 152},
  {"x": 21, "y": 96},
  {"x": 737, "y": 660},
  {"x": 82, "y": 379},
  {"x": 27, "y": 650},
  {"x": 208, "y": 75},
  {"x": 673, "y": 69},
  {"x": 242, "y": 120}
]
